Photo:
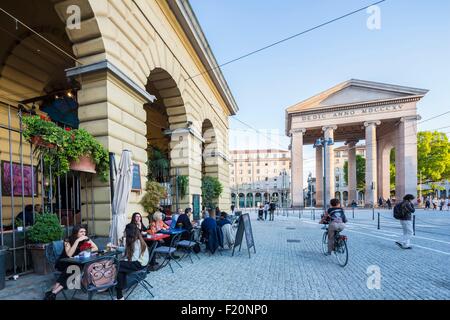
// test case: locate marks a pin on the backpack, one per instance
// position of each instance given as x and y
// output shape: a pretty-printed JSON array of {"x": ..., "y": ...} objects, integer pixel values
[
  {"x": 272, "y": 206},
  {"x": 399, "y": 211}
]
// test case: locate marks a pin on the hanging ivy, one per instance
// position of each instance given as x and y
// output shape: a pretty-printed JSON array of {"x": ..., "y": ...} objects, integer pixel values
[{"x": 183, "y": 184}]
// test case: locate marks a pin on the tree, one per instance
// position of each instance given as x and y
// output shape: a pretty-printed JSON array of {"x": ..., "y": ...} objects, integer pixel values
[
  {"x": 433, "y": 156},
  {"x": 360, "y": 172},
  {"x": 211, "y": 191},
  {"x": 392, "y": 169}
]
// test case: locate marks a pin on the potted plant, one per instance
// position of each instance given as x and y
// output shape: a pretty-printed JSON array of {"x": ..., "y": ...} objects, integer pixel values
[
  {"x": 154, "y": 192},
  {"x": 211, "y": 191},
  {"x": 46, "y": 229},
  {"x": 41, "y": 131},
  {"x": 19, "y": 225},
  {"x": 66, "y": 149},
  {"x": 86, "y": 154}
]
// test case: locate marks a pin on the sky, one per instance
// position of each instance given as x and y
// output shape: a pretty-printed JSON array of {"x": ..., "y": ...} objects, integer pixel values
[{"x": 411, "y": 48}]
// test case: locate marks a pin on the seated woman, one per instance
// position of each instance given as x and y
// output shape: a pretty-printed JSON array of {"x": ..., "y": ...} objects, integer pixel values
[
  {"x": 76, "y": 243},
  {"x": 136, "y": 218},
  {"x": 135, "y": 257},
  {"x": 157, "y": 223}
]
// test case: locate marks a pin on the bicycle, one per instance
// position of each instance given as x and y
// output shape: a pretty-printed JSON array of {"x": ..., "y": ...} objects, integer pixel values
[{"x": 340, "y": 246}]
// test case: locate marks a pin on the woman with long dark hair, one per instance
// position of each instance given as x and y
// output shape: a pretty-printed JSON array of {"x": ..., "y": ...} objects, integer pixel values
[
  {"x": 135, "y": 257},
  {"x": 73, "y": 245},
  {"x": 136, "y": 218}
]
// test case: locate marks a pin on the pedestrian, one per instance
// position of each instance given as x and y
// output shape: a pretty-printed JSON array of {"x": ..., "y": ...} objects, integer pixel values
[
  {"x": 380, "y": 202},
  {"x": 435, "y": 203},
  {"x": 427, "y": 203},
  {"x": 441, "y": 204},
  {"x": 402, "y": 212},
  {"x": 272, "y": 208},
  {"x": 389, "y": 204},
  {"x": 260, "y": 213},
  {"x": 266, "y": 210}
]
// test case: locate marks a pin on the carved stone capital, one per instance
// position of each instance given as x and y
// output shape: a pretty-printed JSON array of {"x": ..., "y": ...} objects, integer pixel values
[
  {"x": 297, "y": 131},
  {"x": 326, "y": 128},
  {"x": 372, "y": 123}
]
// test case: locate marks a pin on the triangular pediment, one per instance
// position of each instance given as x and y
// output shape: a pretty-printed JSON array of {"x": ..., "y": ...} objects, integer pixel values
[{"x": 355, "y": 92}]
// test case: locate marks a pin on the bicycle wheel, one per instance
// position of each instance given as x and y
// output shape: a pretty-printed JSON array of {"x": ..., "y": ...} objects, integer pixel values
[
  {"x": 341, "y": 252},
  {"x": 325, "y": 242}
]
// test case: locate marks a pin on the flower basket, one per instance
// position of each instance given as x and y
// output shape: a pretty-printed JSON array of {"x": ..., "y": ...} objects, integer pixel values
[
  {"x": 40, "y": 142},
  {"x": 84, "y": 164}
]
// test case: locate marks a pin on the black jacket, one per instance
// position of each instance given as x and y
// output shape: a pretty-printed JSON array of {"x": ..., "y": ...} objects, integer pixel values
[{"x": 407, "y": 208}]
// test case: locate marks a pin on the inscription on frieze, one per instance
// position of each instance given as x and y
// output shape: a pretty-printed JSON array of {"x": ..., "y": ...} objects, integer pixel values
[{"x": 350, "y": 113}]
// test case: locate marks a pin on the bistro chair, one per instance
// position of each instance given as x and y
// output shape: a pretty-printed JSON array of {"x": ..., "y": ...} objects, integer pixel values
[
  {"x": 167, "y": 252},
  {"x": 100, "y": 275},
  {"x": 138, "y": 278},
  {"x": 52, "y": 252},
  {"x": 188, "y": 245}
]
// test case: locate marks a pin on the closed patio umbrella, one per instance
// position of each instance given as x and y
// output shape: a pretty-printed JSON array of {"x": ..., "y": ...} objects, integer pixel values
[{"x": 122, "y": 189}]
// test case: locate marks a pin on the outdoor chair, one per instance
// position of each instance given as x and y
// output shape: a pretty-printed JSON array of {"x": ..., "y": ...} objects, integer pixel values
[
  {"x": 100, "y": 275},
  {"x": 168, "y": 251},
  {"x": 52, "y": 252},
  {"x": 188, "y": 245},
  {"x": 138, "y": 278}
]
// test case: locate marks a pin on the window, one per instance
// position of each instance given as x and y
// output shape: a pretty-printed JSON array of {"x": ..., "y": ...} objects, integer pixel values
[
  {"x": 232, "y": 171},
  {"x": 240, "y": 164},
  {"x": 257, "y": 171},
  {"x": 266, "y": 164},
  {"x": 275, "y": 171},
  {"x": 240, "y": 171},
  {"x": 284, "y": 163},
  {"x": 249, "y": 171}
]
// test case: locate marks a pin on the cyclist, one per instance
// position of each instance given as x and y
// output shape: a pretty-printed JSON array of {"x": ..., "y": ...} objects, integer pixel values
[{"x": 336, "y": 218}]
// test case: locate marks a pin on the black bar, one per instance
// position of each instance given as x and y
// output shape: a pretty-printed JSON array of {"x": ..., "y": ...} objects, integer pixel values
[
  {"x": 378, "y": 221},
  {"x": 50, "y": 197},
  {"x": 353, "y": 212},
  {"x": 67, "y": 206},
  {"x": 12, "y": 189},
  {"x": 23, "y": 188}
]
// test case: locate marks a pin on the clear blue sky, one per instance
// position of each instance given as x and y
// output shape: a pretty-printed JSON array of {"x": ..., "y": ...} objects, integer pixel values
[{"x": 411, "y": 49}]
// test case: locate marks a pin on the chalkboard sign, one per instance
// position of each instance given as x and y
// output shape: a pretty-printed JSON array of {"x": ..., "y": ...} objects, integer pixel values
[
  {"x": 244, "y": 226},
  {"x": 136, "y": 182}
]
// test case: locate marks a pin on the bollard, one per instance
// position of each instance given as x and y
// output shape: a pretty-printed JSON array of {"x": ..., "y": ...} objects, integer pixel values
[
  {"x": 314, "y": 215},
  {"x": 414, "y": 224},
  {"x": 378, "y": 221},
  {"x": 353, "y": 212},
  {"x": 373, "y": 213}
]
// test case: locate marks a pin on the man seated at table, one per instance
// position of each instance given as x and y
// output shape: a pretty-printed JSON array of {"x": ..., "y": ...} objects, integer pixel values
[
  {"x": 184, "y": 222},
  {"x": 209, "y": 232},
  {"x": 226, "y": 228}
]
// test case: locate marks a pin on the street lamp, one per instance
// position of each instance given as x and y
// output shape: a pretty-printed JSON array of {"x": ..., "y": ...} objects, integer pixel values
[{"x": 322, "y": 142}]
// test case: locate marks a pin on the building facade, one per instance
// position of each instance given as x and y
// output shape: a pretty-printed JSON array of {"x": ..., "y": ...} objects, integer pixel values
[
  {"x": 383, "y": 115},
  {"x": 135, "y": 71},
  {"x": 259, "y": 176}
]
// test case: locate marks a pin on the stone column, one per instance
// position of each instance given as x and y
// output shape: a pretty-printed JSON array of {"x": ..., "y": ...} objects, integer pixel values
[
  {"x": 371, "y": 162},
  {"x": 383, "y": 161},
  {"x": 297, "y": 167},
  {"x": 406, "y": 157},
  {"x": 352, "y": 179},
  {"x": 329, "y": 163},
  {"x": 114, "y": 114},
  {"x": 319, "y": 177}
]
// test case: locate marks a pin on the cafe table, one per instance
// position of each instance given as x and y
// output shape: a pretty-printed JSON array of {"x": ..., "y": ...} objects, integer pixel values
[{"x": 172, "y": 231}]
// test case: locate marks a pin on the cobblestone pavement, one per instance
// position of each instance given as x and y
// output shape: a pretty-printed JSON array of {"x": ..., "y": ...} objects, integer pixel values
[{"x": 296, "y": 269}]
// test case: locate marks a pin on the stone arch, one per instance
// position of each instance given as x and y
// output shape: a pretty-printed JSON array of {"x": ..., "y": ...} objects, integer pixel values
[
  {"x": 249, "y": 200},
  {"x": 258, "y": 198},
  {"x": 167, "y": 132},
  {"x": 337, "y": 195},
  {"x": 241, "y": 200}
]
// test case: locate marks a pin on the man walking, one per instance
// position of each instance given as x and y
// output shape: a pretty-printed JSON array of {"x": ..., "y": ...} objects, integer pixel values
[
  {"x": 266, "y": 210},
  {"x": 272, "y": 210},
  {"x": 403, "y": 211}
]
